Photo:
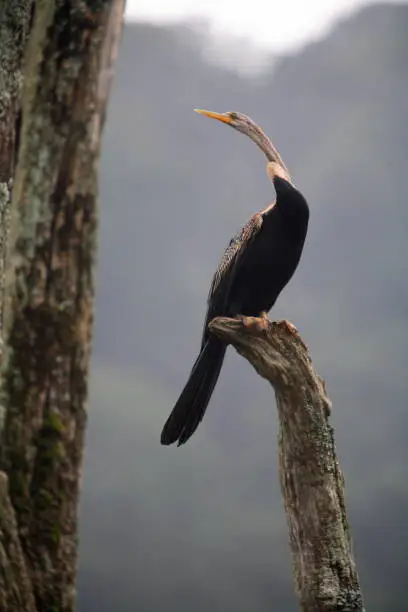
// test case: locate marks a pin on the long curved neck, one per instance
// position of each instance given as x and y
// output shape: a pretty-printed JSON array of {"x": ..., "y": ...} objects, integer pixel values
[{"x": 268, "y": 148}]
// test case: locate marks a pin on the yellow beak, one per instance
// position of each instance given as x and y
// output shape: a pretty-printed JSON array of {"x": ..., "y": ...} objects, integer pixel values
[{"x": 221, "y": 117}]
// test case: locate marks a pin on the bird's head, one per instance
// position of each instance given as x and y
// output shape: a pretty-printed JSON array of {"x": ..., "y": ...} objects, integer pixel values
[
  {"x": 238, "y": 121},
  {"x": 243, "y": 123}
]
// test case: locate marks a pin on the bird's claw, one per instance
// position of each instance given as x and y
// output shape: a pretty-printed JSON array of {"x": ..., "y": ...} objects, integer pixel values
[
  {"x": 293, "y": 331},
  {"x": 259, "y": 323},
  {"x": 289, "y": 327}
]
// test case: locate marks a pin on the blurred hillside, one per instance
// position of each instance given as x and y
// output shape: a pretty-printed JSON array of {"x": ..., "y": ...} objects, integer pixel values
[{"x": 202, "y": 527}]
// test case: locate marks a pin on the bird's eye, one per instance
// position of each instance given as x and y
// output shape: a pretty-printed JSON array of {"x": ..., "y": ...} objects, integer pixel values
[{"x": 233, "y": 115}]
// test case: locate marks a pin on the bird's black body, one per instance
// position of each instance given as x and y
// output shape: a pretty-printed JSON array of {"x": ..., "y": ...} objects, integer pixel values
[
  {"x": 256, "y": 266},
  {"x": 268, "y": 256}
]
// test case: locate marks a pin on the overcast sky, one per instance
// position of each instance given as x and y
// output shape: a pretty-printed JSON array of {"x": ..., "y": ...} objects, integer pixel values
[{"x": 279, "y": 26}]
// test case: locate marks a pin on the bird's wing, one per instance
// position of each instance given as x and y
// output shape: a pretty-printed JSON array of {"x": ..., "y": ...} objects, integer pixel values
[{"x": 234, "y": 256}]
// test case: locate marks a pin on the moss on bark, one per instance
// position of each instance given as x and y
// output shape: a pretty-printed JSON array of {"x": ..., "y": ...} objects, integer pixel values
[{"x": 49, "y": 308}]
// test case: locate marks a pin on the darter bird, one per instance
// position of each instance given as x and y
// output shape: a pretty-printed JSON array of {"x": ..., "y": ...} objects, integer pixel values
[{"x": 257, "y": 264}]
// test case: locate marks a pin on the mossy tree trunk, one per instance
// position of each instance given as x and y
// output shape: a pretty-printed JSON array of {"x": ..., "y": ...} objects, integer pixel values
[
  {"x": 48, "y": 308},
  {"x": 15, "y": 22}
]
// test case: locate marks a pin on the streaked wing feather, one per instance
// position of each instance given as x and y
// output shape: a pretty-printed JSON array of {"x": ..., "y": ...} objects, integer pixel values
[
  {"x": 230, "y": 263},
  {"x": 232, "y": 255}
]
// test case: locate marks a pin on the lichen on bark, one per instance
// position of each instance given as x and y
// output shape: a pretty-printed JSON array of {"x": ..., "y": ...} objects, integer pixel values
[
  {"x": 15, "y": 20},
  {"x": 50, "y": 289}
]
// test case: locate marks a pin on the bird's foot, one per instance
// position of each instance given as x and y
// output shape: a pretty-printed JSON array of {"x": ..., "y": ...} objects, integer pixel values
[
  {"x": 293, "y": 331},
  {"x": 259, "y": 323},
  {"x": 289, "y": 327},
  {"x": 263, "y": 321},
  {"x": 264, "y": 315}
]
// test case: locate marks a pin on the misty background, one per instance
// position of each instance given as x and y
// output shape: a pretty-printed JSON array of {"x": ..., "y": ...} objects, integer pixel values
[{"x": 202, "y": 527}]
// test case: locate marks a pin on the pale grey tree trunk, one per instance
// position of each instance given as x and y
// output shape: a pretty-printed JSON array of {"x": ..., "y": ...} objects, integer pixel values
[
  {"x": 312, "y": 483},
  {"x": 49, "y": 157}
]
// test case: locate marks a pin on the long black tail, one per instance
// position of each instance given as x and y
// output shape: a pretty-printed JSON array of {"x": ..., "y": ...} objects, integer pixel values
[{"x": 193, "y": 401}]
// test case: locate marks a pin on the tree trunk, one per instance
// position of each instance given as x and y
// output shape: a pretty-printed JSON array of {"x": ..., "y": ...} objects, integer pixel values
[
  {"x": 311, "y": 480},
  {"x": 49, "y": 295},
  {"x": 15, "y": 20}
]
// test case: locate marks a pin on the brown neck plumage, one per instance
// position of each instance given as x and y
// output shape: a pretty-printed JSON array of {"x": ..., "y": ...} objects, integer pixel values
[{"x": 275, "y": 166}]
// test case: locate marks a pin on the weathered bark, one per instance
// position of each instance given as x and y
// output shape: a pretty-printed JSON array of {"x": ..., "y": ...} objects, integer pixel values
[
  {"x": 15, "y": 587},
  {"x": 311, "y": 480},
  {"x": 50, "y": 290},
  {"x": 15, "y": 19}
]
